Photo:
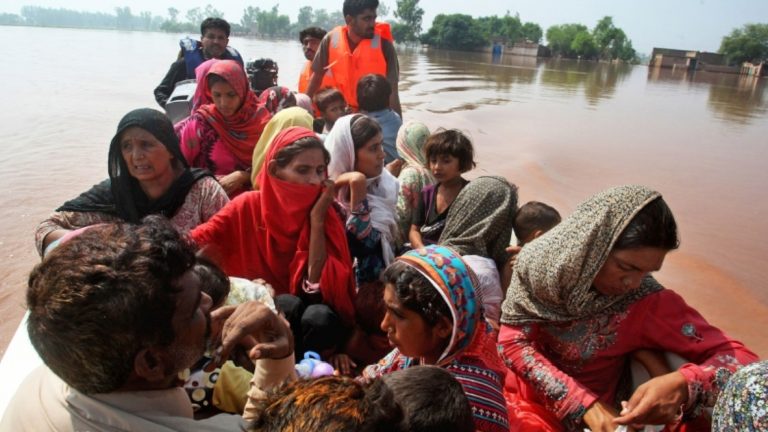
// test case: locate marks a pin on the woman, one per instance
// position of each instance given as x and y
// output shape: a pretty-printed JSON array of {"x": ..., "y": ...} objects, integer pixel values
[
  {"x": 277, "y": 98},
  {"x": 743, "y": 404},
  {"x": 433, "y": 317},
  {"x": 366, "y": 191},
  {"x": 147, "y": 175},
  {"x": 581, "y": 300},
  {"x": 220, "y": 136},
  {"x": 414, "y": 174},
  {"x": 288, "y": 234},
  {"x": 286, "y": 118}
]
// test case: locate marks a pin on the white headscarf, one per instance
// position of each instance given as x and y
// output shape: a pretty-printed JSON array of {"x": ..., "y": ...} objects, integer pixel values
[{"x": 381, "y": 191}]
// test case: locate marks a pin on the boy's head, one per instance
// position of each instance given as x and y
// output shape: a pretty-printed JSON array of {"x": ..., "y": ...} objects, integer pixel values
[
  {"x": 534, "y": 219},
  {"x": 452, "y": 143},
  {"x": 373, "y": 92},
  {"x": 331, "y": 104},
  {"x": 213, "y": 281}
]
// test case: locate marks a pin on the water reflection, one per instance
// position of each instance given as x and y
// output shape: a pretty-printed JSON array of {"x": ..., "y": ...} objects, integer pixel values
[
  {"x": 598, "y": 80},
  {"x": 733, "y": 98}
]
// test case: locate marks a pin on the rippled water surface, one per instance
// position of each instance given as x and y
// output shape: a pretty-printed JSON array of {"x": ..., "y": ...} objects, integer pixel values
[{"x": 561, "y": 130}]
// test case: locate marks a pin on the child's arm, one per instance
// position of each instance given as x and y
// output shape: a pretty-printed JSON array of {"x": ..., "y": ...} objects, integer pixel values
[
  {"x": 653, "y": 361},
  {"x": 414, "y": 236},
  {"x": 357, "y": 186}
]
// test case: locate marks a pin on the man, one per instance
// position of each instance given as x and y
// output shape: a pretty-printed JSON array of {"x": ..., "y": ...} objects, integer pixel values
[
  {"x": 212, "y": 44},
  {"x": 310, "y": 39},
  {"x": 359, "y": 48},
  {"x": 115, "y": 314}
]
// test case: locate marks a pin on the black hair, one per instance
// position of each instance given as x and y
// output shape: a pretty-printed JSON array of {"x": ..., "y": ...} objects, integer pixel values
[
  {"x": 653, "y": 226},
  {"x": 287, "y": 153},
  {"x": 214, "y": 23},
  {"x": 214, "y": 79},
  {"x": 534, "y": 216},
  {"x": 416, "y": 292},
  {"x": 213, "y": 281},
  {"x": 315, "y": 32},
  {"x": 327, "y": 96},
  {"x": 262, "y": 73},
  {"x": 363, "y": 128},
  {"x": 356, "y": 7},
  {"x": 454, "y": 143},
  {"x": 431, "y": 399},
  {"x": 373, "y": 91}
]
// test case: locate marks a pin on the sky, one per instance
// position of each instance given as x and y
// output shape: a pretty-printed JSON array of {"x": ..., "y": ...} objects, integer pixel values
[{"x": 684, "y": 24}]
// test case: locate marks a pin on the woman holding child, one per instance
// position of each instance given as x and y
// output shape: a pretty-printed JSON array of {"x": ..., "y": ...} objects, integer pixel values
[
  {"x": 147, "y": 175},
  {"x": 582, "y": 300},
  {"x": 220, "y": 136}
]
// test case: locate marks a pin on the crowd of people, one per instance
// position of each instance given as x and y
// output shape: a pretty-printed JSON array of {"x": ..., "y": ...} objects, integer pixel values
[{"x": 271, "y": 225}]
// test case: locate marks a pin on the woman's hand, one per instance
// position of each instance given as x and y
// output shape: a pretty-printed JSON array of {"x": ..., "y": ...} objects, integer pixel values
[
  {"x": 342, "y": 363},
  {"x": 255, "y": 327},
  {"x": 395, "y": 167},
  {"x": 234, "y": 181},
  {"x": 599, "y": 418},
  {"x": 658, "y": 401},
  {"x": 357, "y": 186},
  {"x": 320, "y": 209}
]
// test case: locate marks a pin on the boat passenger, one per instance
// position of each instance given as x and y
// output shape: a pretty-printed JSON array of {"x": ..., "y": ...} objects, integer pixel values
[
  {"x": 414, "y": 175},
  {"x": 220, "y": 136},
  {"x": 277, "y": 98},
  {"x": 582, "y": 300},
  {"x": 331, "y": 104},
  {"x": 743, "y": 404},
  {"x": 214, "y": 37},
  {"x": 435, "y": 318},
  {"x": 293, "y": 116},
  {"x": 147, "y": 175},
  {"x": 289, "y": 234},
  {"x": 373, "y": 92},
  {"x": 310, "y": 39}
]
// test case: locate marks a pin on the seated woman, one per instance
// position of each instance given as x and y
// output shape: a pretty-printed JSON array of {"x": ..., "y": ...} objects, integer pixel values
[
  {"x": 288, "y": 234},
  {"x": 220, "y": 136},
  {"x": 293, "y": 116},
  {"x": 414, "y": 175},
  {"x": 147, "y": 175},
  {"x": 582, "y": 301},
  {"x": 434, "y": 318},
  {"x": 367, "y": 192},
  {"x": 277, "y": 98}
]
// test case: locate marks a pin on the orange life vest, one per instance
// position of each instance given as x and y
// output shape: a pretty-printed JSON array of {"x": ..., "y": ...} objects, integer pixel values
[
  {"x": 346, "y": 67},
  {"x": 306, "y": 77}
]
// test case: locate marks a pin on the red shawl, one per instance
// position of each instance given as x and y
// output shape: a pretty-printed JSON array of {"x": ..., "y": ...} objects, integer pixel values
[
  {"x": 241, "y": 131},
  {"x": 265, "y": 234}
]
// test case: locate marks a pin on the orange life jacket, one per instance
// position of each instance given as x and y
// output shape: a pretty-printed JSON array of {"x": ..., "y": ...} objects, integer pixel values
[
  {"x": 306, "y": 77},
  {"x": 346, "y": 67}
]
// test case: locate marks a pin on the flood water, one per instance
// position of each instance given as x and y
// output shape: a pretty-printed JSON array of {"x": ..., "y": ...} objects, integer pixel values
[{"x": 561, "y": 130}]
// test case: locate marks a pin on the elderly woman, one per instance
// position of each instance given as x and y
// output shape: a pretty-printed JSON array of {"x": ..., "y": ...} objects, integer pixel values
[
  {"x": 220, "y": 136},
  {"x": 147, "y": 175},
  {"x": 582, "y": 300},
  {"x": 414, "y": 175}
]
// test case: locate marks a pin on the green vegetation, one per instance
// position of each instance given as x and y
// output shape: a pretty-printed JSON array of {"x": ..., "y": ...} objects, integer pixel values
[
  {"x": 604, "y": 42},
  {"x": 462, "y": 32},
  {"x": 410, "y": 15},
  {"x": 749, "y": 43}
]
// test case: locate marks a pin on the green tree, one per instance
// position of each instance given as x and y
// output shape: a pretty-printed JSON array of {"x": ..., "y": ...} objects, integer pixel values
[
  {"x": 194, "y": 16},
  {"x": 456, "y": 31},
  {"x": 173, "y": 13},
  {"x": 532, "y": 32},
  {"x": 250, "y": 19},
  {"x": 211, "y": 12},
  {"x": 410, "y": 15},
  {"x": 561, "y": 37},
  {"x": 124, "y": 18},
  {"x": 304, "y": 19},
  {"x": 583, "y": 45},
  {"x": 749, "y": 43},
  {"x": 612, "y": 43}
]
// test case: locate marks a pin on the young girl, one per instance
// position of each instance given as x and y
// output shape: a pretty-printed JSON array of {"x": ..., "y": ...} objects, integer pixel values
[
  {"x": 449, "y": 154},
  {"x": 433, "y": 317}
]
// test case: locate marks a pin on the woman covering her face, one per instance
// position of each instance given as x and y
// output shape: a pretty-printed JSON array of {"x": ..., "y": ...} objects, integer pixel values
[
  {"x": 435, "y": 318},
  {"x": 582, "y": 300},
  {"x": 220, "y": 136},
  {"x": 147, "y": 175}
]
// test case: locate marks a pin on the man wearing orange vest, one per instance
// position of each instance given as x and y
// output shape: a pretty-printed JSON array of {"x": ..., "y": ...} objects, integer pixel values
[
  {"x": 310, "y": 39},
  {"x": 362, "y": 47}
]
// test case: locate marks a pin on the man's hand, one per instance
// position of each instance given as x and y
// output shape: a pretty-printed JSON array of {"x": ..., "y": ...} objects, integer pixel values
[
  {"x": 255, "y": 327},
  {"x": 657, "y": 401}
]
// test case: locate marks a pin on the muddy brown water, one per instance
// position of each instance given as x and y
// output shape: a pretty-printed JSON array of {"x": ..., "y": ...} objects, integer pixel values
[{"x": 560, "y": 130}]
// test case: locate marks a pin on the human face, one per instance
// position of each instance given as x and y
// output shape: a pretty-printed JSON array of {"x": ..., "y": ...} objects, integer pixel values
[
  {"x": 310, "y": 45},
  {"x": 362, "y": 25},
  {"x": 409, "y": 333},
  {"x": 444, "y": 167},
  {"x": 191, "y": 322},
  {"x": 625, "y": 269},
  {"x": 214, "y": 43},
  {"x": 369, "y": 159},
  {"x": 334, "y": 111},
  {"x": 307, "y": 167},
  {"x": 225, "y": 98},
  {"x": 145, "y": 156}
]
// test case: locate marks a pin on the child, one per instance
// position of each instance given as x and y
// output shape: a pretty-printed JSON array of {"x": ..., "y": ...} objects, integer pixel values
[
  {"x": 449, "y": 154},
  {"x": 373, "y": 92},
  {"x": 531, "y": 221},
  {"x": 332, "y": 105}
]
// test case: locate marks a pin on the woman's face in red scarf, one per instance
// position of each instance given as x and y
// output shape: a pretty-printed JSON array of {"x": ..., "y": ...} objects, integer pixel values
[
  {"x": 307, "y": 167},
  {"x": 369, "y": 159},
  {"x": 225, "y": 98}
]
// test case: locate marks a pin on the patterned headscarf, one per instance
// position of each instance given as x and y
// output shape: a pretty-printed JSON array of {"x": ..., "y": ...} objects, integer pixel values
[
  {"x": 743, "y": 404},
  {"x": 553, "y": 276},
  {"x": 414, "y": 176},
  {"x": 479, "y": 221},
  {"x": 410, "y": 143},
  {"x": 277, "y": 98}
]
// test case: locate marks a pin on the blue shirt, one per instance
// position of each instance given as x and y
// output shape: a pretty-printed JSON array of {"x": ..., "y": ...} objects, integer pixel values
[{"x": 390, "y": 123}]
